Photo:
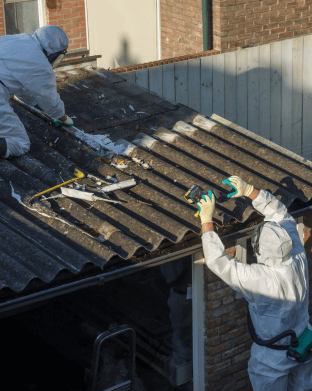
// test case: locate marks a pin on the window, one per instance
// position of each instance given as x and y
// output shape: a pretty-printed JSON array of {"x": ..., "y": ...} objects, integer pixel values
[{"x": 21, "y": 16}]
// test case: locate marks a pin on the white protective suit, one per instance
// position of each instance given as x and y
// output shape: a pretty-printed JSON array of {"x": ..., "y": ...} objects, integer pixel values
[
  {"x": 277, "y": 291},
  {"x": 26, "y": 72}
]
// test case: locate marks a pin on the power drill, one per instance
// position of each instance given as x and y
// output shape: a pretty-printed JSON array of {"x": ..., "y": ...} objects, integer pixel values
[{"x": 194, "y": 195}]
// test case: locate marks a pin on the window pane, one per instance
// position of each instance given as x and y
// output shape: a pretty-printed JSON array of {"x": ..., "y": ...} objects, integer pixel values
[{"x": 22, "y": 17}]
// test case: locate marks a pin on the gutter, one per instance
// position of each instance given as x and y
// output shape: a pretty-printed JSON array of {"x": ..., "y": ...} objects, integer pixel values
[
  {"x": 206, "y": 20},
  {"x": 21, "y": 304}
]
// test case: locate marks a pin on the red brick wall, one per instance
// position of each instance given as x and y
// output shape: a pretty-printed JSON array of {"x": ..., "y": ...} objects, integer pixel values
[
  {"x": 243, "y": 22},
  {"x": 227, "y": 339},
  {"x": 70, "y": 16},
  {"x": 2, "y": 26}
]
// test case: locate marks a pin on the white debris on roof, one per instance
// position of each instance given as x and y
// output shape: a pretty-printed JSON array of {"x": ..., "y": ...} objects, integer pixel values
[
  {"x": 141, "y": 162},
  {"x": 72, "y": 85},
  {"x": 84, "y": 86},
  {"x": 119, "y": 165},
  {"x": 131, "y": 107}
]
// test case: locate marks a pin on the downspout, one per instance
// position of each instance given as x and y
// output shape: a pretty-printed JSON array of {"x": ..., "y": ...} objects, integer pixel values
[
  {"x": 87, "y": 24},
  {"x": 158, "y": 18},
  {"x": 206, "y": 19}
]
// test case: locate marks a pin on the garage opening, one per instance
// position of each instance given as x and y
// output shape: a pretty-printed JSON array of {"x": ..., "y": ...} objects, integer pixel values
[{"x": 52, "y": 346}]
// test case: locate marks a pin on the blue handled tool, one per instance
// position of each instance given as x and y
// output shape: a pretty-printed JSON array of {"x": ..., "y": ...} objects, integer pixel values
[{"x": 227, "y": 182}]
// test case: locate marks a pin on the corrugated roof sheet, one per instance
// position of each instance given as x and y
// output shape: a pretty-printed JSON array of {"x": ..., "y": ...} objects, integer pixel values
[{"x": 63, "y": 238}]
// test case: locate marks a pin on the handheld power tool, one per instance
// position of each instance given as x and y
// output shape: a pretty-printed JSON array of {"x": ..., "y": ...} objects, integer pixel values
[{"x": 194, "y": 195}]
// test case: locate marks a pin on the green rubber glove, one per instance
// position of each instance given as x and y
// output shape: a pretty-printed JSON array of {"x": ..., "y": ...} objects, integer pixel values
[
  {"x": 206, "y": 207},
  {"x": 241, "y": 187}
]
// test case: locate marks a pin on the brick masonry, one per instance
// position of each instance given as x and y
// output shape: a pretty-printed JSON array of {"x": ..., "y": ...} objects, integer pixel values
[
  {"x": 67, "y": 14},
  {"x": 227, "y": 339}
]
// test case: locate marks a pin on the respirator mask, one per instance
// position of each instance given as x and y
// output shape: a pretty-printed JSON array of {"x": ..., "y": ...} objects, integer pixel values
[{"x": 55, "y": 58}]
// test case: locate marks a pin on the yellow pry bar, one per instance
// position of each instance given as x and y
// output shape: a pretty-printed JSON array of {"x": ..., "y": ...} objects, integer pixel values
[{"x": 78, "y": 175}]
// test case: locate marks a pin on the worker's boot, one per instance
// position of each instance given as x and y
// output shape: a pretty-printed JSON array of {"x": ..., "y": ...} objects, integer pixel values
[{"x": 3, "y": 147}]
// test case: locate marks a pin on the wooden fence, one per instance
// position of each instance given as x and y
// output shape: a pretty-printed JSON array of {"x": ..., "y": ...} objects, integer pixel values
[{"x": 266, "y": 89}]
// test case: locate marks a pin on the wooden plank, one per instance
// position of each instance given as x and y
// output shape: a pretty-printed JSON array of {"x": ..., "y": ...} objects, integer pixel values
[
  {"x": 141, "y": 77},
  {"x": 296, "y": 131},
  {"x": 155, "y": 80},
  {"x": 241, "y": 249},
  {"x": 206, "y": 86},
  {"x": 181, "y": 84},
  {"x": 230, "y": 92},
  {"x": 264, "y": 90},
  {"x": 307, "y": 91},
  {"x": 253, "y": 59},
  {"x": 297, "y": 96},
  {"x": 287, "y": 86},
  {"x": 168, "y": 82},
  {"x": 194, "y": 84},
  {"x": 218, "y": 84},
  {"x": 241, "y": 71},
  {"x": 276, "y": 91},
  {"x": 129, "y": 76}
]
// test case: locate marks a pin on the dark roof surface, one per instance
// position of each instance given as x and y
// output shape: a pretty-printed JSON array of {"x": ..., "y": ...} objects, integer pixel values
[{"x": 63, "y": 239}]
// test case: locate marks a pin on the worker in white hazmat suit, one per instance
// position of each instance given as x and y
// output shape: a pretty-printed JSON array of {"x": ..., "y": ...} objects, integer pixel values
[
  {"x": 276, "y": 287},
  {"x": 26, "y": 70}
]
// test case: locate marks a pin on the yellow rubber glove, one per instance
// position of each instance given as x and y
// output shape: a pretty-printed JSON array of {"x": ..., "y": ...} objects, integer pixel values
[
  {"x": 206, "y": 207},
  {"x": 242, "y": 188}
]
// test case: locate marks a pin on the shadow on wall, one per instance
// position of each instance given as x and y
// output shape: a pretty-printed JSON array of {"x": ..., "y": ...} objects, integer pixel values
[{"x": 124, "y": 57}]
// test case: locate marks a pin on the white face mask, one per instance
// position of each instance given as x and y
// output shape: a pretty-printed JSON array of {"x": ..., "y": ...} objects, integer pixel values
[{"x": 57, "y": 61}]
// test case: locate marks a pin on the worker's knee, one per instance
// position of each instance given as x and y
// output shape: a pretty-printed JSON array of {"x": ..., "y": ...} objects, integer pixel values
[{"x": 17, "y": 146}]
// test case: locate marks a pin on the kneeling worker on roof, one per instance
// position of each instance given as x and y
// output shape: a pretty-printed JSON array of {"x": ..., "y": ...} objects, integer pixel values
[
  {"x": 26, "y": 70},
  {"x": 276, "y": 287}
]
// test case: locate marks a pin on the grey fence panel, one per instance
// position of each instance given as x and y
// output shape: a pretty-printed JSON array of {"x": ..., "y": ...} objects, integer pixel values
[
  {"x": 218, "y": 85},
  {"x": 276, "y": 92},
  {"x": 242, "y": 90},
  {"x": 307, "y": 99},
  {"x": 287, "y": 87},
  {"x": 168, "y": 82},
  {"x": 194, "y": 83},
  {"x": 297, "y": 51},
  {"x": 206, "y": 86},
  {"x": 155, "y": 80},
  {"x": 266, "y": 89},
  {"x": 253, "y": 89},
  {"x": 181, "y": 82},
  {"x": 230, "y": 87}
]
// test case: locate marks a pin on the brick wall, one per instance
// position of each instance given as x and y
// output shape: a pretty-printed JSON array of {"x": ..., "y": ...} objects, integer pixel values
[
  {"x": 2, "y": 25},
  {"x": 70, "y": 16},
  {"x": 242, "y": 22},
  {"x": 227, "y": 338}
]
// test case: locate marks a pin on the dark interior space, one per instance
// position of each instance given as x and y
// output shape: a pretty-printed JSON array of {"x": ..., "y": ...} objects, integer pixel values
[{"x": 51, "y": 347}]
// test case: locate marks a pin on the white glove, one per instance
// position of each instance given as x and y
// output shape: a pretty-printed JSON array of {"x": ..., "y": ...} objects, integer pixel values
[
  {"x": 68, "y": 121},
  {"x": 242, "y": 188},
  {"x": 206, "y": 207}
]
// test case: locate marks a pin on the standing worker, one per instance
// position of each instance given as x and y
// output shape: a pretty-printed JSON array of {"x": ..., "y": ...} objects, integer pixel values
[
  {"x": 26, "y": 70},
  {"x": 276, "y": 287}
]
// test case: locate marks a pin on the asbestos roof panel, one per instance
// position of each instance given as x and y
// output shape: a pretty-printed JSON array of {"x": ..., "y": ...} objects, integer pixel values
[{"x": 165, "y": 147}]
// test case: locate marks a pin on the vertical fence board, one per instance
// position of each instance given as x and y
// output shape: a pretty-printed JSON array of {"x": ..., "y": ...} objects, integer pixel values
[
  {"x": 297, "y": 50},
  {"x": 129, "y": 76},
  {"x": 168, "y": 82},
  {"x": 206, "y": 84},
  {"x": 181, "y": 76},
  {"x": 155, "y": 79},
  {"x": 286, "y": 93},
  {"x": 253, "y": 89},
  {"x": 242, "y": 102},
  {"x": 141, "y": 78},
  {"x": 230, "y": 92},
  {"x": 307, "y": 98},
  {"x": 218, "y": 85},
  {"x": 194, "y": 83},
  {"x": 276, "y": 91},
  {"x": 265, "y": 91}
]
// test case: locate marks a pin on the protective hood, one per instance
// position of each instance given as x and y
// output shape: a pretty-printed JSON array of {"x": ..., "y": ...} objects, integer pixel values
[
  {"x": 275, "y": 246},
  {"x": 51, "y": 38}
]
